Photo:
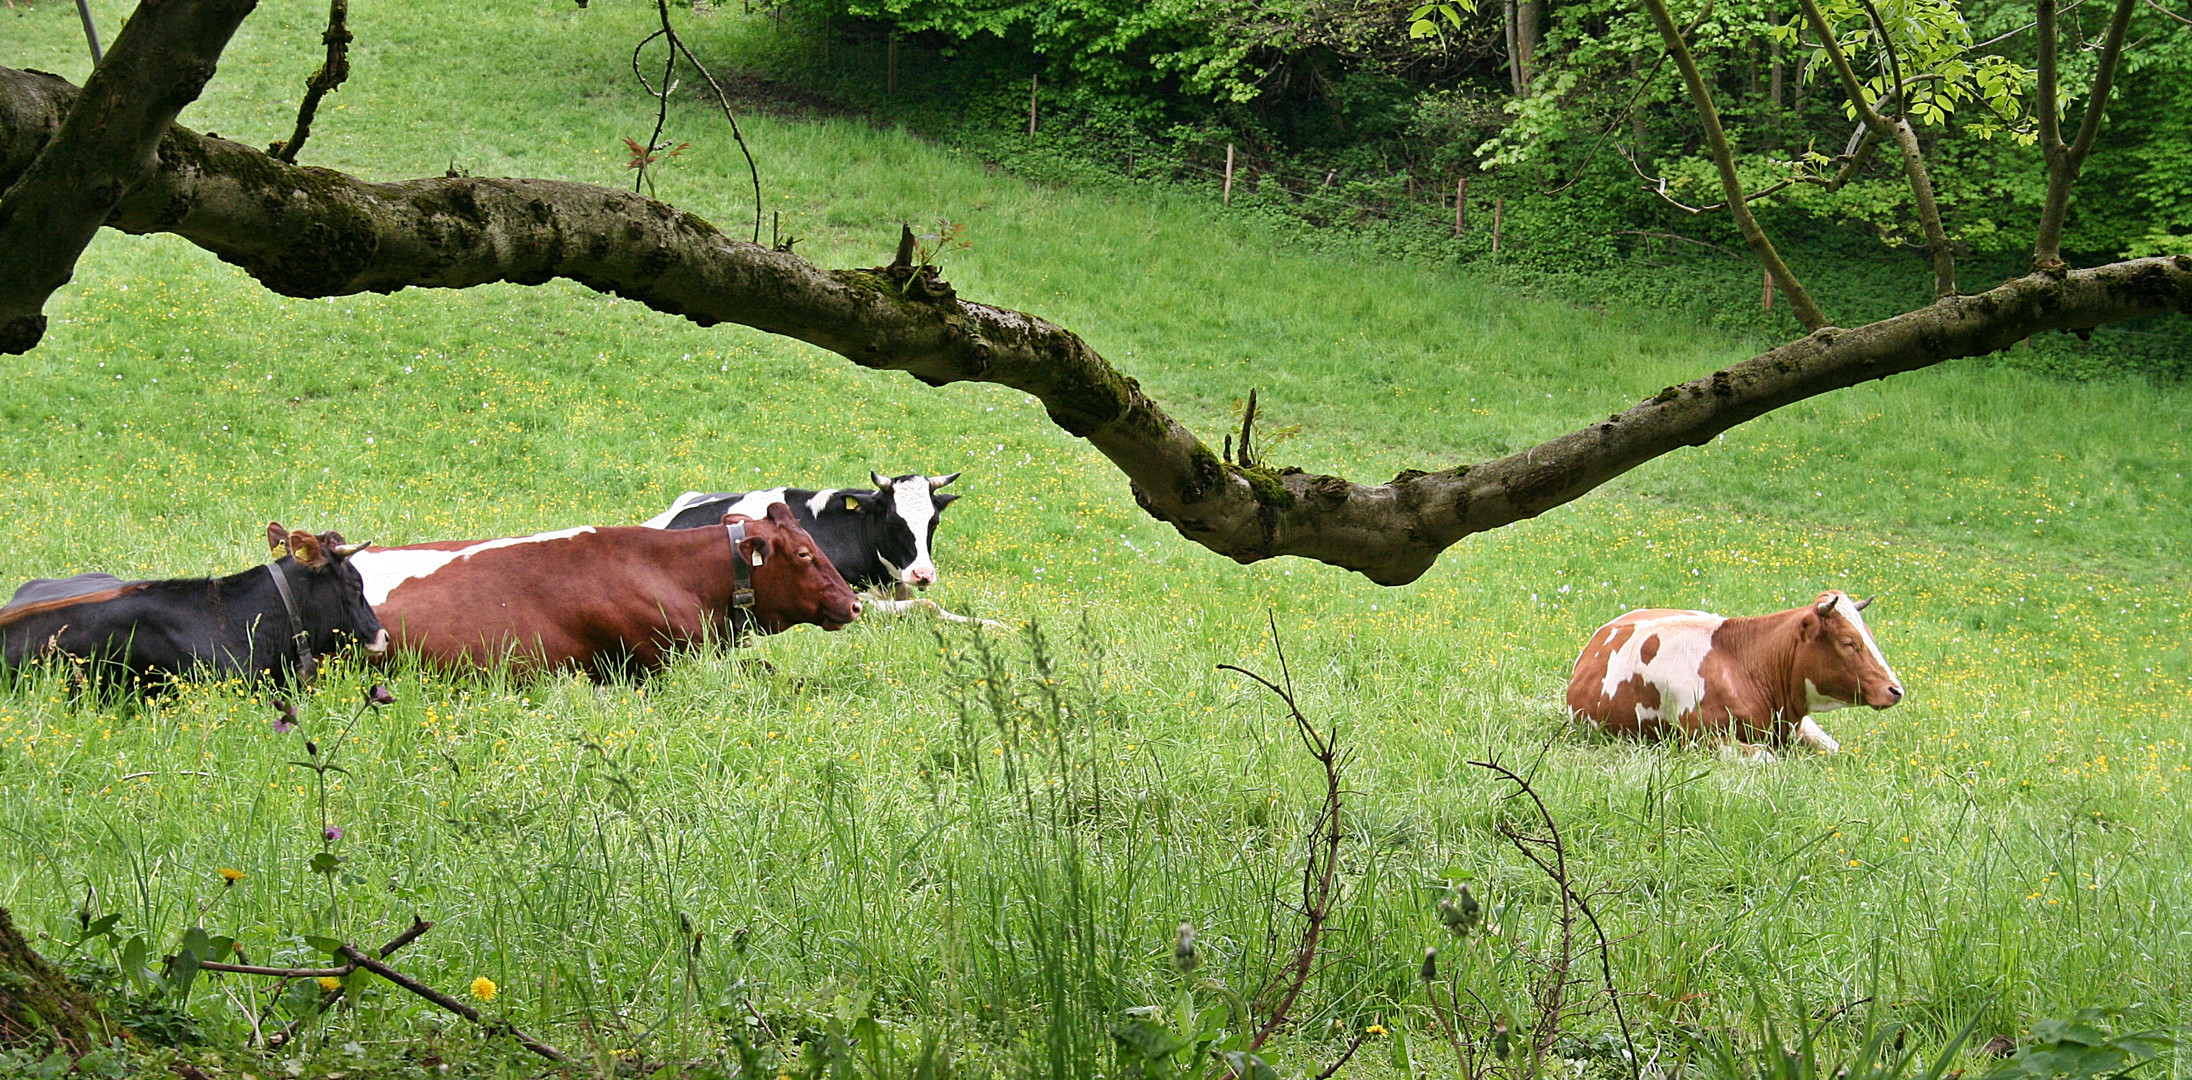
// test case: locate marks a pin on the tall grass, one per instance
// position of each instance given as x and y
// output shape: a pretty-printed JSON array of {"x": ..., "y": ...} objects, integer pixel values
[{"x": 2009, "y": 841}]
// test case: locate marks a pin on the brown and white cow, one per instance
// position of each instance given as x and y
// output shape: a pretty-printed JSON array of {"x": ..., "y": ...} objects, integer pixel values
[
  {"x": 1656, "y": 672},
  {"x": 601, "y": 600}
]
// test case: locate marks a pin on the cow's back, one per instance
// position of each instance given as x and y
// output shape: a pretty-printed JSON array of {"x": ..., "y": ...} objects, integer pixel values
[
  {"x": 583, "y": 597},
  {"x": 1645, "y": 672}
]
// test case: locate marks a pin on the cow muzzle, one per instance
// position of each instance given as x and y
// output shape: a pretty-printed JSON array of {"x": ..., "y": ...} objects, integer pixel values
[
  {"x": 852, "y": 614},
  {"x": 378, "y": 647},
  {"x": 921, "y": 577},
  {"x": 1885, "y": 697}
]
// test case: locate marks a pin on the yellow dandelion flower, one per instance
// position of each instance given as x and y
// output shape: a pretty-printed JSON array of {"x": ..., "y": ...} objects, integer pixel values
[
  {"x": 329, "y": 983},
  {"x": 231, "y": 875},
  {"x": 483, "y": 988},
  {"x": 1377, "y": 1029}
]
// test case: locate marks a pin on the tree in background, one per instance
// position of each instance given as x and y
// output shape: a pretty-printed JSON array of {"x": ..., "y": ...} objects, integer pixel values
[{"x": 74, "y": 160}]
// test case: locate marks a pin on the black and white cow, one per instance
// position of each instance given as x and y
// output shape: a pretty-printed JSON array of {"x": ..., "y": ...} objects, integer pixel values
[
  {"x": 879, "y": 538},
  {"x": 267, "y": 621}
]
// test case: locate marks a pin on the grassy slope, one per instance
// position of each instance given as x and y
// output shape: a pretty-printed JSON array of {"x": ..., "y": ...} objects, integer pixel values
[{"x": 2013, "y": 833}]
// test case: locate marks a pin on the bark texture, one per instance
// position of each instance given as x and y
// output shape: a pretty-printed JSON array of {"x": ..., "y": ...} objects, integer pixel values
[
  {"x": 38, "y": 1006},
  {"x": 309, "y": 232},
  {"x": 104, "y": 147}
]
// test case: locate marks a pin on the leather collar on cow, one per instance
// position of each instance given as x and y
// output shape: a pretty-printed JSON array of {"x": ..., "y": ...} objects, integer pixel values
[
  {"x": 742, "y": 591},
  {"x": 299, "y": 639}
]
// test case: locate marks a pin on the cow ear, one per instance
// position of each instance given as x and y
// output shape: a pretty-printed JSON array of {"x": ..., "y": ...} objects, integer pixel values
[
  {"x": 781, "y": 513},
  {"x": 277, "y": 538},
  {"x": 943, "y": 499},
  {"x": 306, "y": 547},
  {"x": 755, "y": 550}
]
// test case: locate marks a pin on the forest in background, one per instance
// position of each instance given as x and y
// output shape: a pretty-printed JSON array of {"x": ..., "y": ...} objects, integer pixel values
[{"x": 1343, "y": 116}]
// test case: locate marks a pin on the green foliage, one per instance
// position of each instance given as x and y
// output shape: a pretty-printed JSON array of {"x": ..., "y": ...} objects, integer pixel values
[{"x": 2082, "y": 1048}]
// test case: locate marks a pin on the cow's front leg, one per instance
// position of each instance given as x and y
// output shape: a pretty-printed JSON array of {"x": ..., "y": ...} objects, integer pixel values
[
  {"x": 876, "y": 602},
  {"x": 1811, "y": 734}
]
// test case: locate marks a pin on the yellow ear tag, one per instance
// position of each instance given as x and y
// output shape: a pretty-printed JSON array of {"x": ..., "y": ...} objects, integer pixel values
[{"x": 851, "y": 503}]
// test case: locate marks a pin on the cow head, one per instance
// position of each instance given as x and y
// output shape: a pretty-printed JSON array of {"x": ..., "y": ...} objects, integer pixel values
[
  {"x": 1837, "y": 659},
  {"x": 900, "y": 518},
  {"x": 793, "y": 581},
  {"x": 330, "y": 593}
]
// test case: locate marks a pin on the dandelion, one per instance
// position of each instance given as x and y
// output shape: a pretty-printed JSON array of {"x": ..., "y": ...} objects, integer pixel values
[
  {"x": 230, "y": 876},
  {"x": 329, "y": 983},
  {"x": 1376, "y": 1029},
  {"x": 483, "y": 988}
]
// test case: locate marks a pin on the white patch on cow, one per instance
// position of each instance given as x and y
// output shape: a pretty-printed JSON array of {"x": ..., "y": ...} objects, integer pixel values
[
  {"x": 1848, "y": 608},
  {"x": 821, "y": 500},
  {"x": 1820, "y": 702},
  {"x": 1809, "y": 731},
  {"x": 755, "y": 504},
  {"x": 913, "y": 502},
  {"x": 384, "y": 569},
  {"x": 1677, "y": 669},
  {"x": 663, "y": 519}
]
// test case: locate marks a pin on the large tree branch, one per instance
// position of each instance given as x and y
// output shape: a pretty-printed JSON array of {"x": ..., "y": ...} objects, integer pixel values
[
  {"x": 1807, "y": 311},
  {"x": 312, "y": 232},
  {"x": 103, "y": 148},
  {"x": 2065, "y": 162}
]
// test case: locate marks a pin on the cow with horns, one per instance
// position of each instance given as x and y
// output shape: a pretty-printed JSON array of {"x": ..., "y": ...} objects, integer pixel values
[
  {"x": 1658, "y": 672},
  {"x": 880, "y": 538},
  {"x": 271, "y": 620}
]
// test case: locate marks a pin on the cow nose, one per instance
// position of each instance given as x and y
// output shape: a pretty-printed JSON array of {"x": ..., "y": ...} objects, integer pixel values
[
  {"x": 923, "y": 577},
  {"x": 379, "y": 644},
  {"x": 1895, "y": 692},
  {"x": 855, "y": 607}
]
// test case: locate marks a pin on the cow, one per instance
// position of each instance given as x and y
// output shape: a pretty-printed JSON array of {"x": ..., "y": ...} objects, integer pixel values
[
  {"x": 607, "y": 601},
  {"x": 1656, "y": 671},
  {"x": 879, "y": 538},
  {"x": 270, "y": 621}
]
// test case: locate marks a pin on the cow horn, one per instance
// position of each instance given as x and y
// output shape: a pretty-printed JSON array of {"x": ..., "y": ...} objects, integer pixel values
[
  {"x": 881, "y": 482},
  {"x": 1867, "y": 601},
  {"x": 344, "y": 551},
  {"x": 936, "y": 482}
]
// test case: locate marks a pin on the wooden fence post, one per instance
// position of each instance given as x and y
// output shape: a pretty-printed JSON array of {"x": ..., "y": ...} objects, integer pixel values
[
  {"x": 1499, "y": 210},
  {"x": 1227, "y": 198},
  {"x": 1034, "y": 81},
  {"x": 1461, "y": 205}
]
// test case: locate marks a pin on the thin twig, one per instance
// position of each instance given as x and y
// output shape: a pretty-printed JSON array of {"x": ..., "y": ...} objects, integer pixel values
[
  {"x": 451, "y": 1004},
  {"x": 1558, "y": 871},
  {"x": 333, "y": 71},
  {"x": 722, "y": 100},
  {"x": 1319, "y": 869},
  {"x": 1352, "y": 1045},
  {"x": 2163, "y": 10},
  {"x": 1999, "y": 38}
]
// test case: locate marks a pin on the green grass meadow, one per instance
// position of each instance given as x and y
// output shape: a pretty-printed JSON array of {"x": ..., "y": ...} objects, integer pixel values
[{"x": 884, "y": 821}]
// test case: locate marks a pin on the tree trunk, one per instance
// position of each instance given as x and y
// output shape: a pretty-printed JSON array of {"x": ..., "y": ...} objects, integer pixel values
[
  {"x": 1529, "y": 34},
  {"x": 39, "y": 1009}
]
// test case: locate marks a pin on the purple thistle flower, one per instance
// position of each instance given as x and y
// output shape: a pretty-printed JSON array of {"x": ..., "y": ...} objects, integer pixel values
[{"x": 332, "y": 833}]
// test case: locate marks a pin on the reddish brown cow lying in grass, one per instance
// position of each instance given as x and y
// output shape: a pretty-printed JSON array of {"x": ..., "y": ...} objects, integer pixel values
[
  {"x": 1657, "y": 672},
  {"x": 601, "y": 600}
]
